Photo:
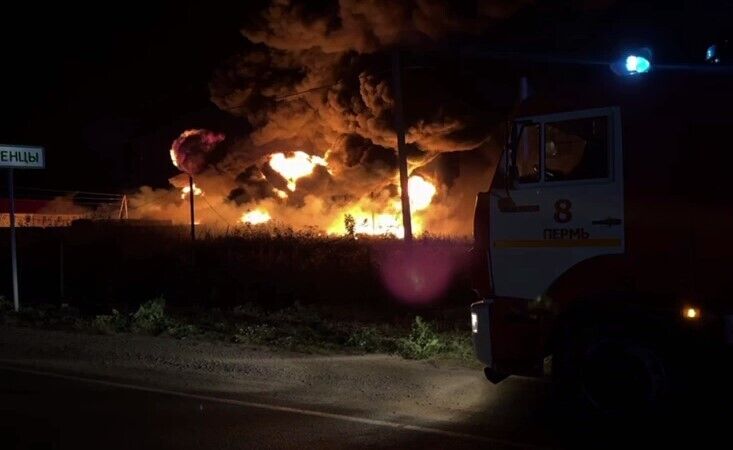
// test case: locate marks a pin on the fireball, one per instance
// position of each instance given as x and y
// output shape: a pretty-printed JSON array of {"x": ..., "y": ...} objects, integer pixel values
[
  {"x": 190, "y": 151},
  {"x": 299, "y": 165}
]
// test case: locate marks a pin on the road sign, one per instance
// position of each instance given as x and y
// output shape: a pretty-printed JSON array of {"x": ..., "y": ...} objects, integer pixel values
[
  {"x": 22, "y": 157},
  {"x": 18, "y": 157}
]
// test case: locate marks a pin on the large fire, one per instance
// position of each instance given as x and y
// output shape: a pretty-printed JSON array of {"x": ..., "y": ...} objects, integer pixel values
[
  {"x": 389, "y": 221},
  {"x": 255, "y": 217},
  {"x": 299, "y": 165},
  {"x": 421, "y": 192},
  {"x": 185, "y": 190},
  {"x": 361, "y": 216}
]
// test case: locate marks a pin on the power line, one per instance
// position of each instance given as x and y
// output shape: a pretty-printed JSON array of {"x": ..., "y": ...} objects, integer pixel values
[
  {"x": 155, "y": 198},
  {"x": 109, "y": 194},
  {"x": 217, "y": 212},
  {"x": 283, "y": 97}
]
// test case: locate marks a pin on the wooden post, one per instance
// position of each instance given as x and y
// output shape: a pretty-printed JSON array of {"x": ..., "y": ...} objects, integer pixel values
[
  {"x": 191, "y": 195},
  {"x": 399, "y": 123}
]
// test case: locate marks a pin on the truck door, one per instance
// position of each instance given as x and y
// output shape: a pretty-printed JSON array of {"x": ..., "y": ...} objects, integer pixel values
[{"x": 563, "y": 203}]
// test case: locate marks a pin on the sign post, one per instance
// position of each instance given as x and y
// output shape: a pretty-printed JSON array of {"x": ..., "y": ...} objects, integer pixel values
[
  {"x": 18, "y": 157},
  {"x": 191, "y": 195}
]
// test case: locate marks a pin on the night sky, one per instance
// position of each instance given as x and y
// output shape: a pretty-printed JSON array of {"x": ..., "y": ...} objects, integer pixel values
[
  {"x": 106, "y": 87},
  {"x": 86, "y": 80}
]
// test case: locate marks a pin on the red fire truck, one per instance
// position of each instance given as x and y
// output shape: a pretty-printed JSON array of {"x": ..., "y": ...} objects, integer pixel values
[{"x": 603, "y": 246}]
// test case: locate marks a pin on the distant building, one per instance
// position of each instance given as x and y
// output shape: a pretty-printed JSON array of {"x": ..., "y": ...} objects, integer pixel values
[{"x": 38, "y": 213}]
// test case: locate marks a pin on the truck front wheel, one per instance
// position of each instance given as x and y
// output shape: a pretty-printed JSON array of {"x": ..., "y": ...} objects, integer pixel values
[{"x": 610, "y": 372}]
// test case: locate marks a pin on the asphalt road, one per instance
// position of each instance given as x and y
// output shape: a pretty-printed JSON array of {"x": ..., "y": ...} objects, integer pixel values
[{"x": 42, "y": 410}]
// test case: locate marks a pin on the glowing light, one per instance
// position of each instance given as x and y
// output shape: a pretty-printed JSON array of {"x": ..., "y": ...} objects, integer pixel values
[
  {"x": 255, "y": 217},
  {"x": 280, "y": 193},
  {"x": 711, "y": 54},
  {"x": 387, "y": 221},
  {"x": 637, "y": 64},
  {"x": 421, "y": 192},
  {"x": 188, "y": 149},
  {"x": 173, "y": 158},
  {"x": 294, "y": 167},
  {"x": 187, "y": 189},
  {"x": 691, "y": 313}
]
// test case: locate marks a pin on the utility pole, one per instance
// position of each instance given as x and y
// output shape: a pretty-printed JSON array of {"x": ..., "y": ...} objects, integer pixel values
[
  {"x": 191, "y": 195},
  {"x": 399, "y": 124}
]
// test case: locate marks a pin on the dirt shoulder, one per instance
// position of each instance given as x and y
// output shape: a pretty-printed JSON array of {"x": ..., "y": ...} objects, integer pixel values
[{"x": 380, "y": 386}]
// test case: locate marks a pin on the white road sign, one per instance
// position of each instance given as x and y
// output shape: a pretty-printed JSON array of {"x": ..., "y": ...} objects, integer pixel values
[{"x": 22, "y": 157}]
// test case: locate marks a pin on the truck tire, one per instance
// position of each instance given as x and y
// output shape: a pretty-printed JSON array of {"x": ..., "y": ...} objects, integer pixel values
[{"x": 608, "y": 371}]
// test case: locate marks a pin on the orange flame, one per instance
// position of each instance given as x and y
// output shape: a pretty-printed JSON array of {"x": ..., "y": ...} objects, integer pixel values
[
  {"x": 187, "y": 189},
  {"x": 255, "y": 217},
  {"x": 389, "y": 221},
  {"x": 299, "y": 165},
  {"x": 280, "y": 193}
]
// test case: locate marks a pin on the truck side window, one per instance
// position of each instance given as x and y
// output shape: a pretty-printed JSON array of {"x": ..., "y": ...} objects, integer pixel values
[
  {"x": 528, "y": 154},
  {"x": 577, "y": 149}
]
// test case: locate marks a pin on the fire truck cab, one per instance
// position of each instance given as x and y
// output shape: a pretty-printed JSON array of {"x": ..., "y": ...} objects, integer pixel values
[{"x": 595, "y": 267}]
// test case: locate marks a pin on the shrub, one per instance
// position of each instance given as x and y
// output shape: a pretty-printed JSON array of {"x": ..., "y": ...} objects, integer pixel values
[
  {"x": 150, "y": 317},
  {"x": 422, "y": 342},
  {"x": 367, "y": 339},
  {"x": 248, "y": 310},
  {"x": 181, "y": 330},
  {"x": 110, "y": 323},
  {"x": 349, "y": 224},
  {"x": 6, "y": 306},
  {"x": 459, "y": 347},
  {"x": 255, "y": 334}
]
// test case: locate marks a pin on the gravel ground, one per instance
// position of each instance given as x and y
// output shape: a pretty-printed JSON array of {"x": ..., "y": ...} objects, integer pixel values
[{"x": 379, "y": 386}]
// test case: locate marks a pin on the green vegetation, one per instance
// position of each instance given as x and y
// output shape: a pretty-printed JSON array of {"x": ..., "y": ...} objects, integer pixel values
[
  {"x": 422, "y": 342},
  {"x": 369, "y": 339},
  {"x": 425, "y": 342},
  {"x": 110, "y": 323},
  {"x": 120, "y": 267},
  {"x": 150, "y": 317},
  {"x": 296, "y": 328},
  {"x": 255, "y": 335},
  {"x": 6, "y": 306}
]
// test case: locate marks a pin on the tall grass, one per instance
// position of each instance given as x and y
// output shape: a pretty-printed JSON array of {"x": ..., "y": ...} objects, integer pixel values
[{"x": 121, "y": 267}]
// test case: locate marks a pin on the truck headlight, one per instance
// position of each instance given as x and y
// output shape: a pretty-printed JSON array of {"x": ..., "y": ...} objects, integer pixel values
[{"x": 474, "y": 322}]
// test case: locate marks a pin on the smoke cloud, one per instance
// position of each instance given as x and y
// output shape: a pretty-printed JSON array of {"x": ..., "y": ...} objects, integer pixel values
[{"x": 317, "y": 79}]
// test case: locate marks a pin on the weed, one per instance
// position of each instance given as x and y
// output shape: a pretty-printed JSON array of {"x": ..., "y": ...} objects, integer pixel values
[
  {"x": 110, "y": 323},
  {"x": 150, "y": 317},
  {"x": 368, "y": 339},
  {"x": 249, "y": 310},
  {"x": 422, "y": 342},
  {"x": 6, "y": 306},
  {"x": 180, "y": 330},
  {"x": 255, "y": 334}
]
